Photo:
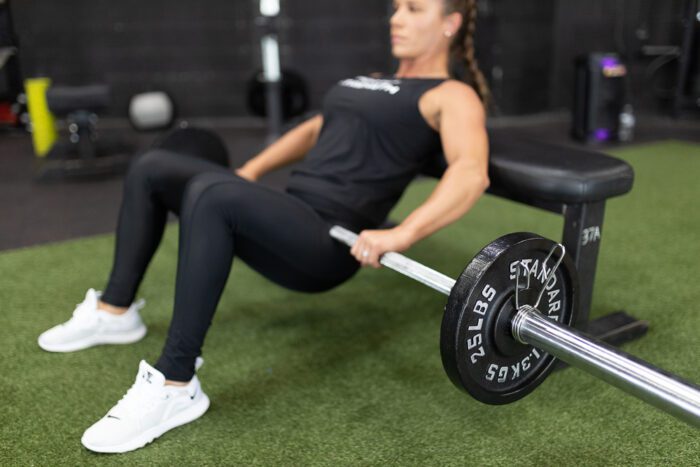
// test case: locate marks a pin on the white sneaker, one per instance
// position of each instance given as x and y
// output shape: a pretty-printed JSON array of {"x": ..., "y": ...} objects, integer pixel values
[
  {"x": 147, "y": 410},
  {"x": 90, "y": 326}
]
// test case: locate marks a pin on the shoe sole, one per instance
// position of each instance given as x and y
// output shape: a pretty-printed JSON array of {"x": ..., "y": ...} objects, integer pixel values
[
  {"x": 186, "y": 416},
  {"x": 91, "y": 341}
]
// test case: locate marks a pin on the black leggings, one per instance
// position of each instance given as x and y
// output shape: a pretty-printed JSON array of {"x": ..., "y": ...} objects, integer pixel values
[{"x": 221, "y": 216}]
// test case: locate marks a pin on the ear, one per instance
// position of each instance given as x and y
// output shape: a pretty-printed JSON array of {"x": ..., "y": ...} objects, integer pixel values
[{"x": 453, "y": 22}]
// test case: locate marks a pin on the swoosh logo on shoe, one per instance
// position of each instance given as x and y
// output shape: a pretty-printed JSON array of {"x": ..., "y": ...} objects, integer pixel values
[
  {"x": 195, "y": 393},
  {"x": 112, "y": 416}
]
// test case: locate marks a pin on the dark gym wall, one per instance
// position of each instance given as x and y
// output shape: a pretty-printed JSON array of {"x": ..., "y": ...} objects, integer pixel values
[
  {"x": 625, "y": 26},
  {"x": 203, "y": 52},
  {"x": 527, "y": 49},
  {"x": 514, "y": 48},
  {"x": 328, "y": 40},
  {"x": 198, "y": 50}
]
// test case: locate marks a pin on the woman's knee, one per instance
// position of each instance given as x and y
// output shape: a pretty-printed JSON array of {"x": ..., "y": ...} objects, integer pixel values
[
  {"x": 149, "y": 164},
  {"x": 212, "y": 190}
]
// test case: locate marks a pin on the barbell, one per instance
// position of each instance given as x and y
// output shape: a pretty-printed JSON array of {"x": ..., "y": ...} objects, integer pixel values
[{"x": 509, "y": 316}]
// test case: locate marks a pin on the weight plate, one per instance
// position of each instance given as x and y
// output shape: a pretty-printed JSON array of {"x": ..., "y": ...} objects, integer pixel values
[
  {"x": 294, "y": 95},
  {"x": 478, "y": 350}
]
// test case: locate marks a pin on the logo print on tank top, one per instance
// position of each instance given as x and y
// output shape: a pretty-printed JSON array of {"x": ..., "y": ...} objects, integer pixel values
[{"x": 372, "y": 84}]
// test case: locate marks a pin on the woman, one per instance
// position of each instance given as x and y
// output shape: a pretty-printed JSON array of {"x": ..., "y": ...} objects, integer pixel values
[{"x": 373, "y": 137}]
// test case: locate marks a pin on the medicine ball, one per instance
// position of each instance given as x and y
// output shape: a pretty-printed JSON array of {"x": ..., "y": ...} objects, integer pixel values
[{"x": 151, "y": 111}]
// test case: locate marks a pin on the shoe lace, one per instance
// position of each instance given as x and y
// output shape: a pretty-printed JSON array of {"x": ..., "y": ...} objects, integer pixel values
[
  {"x": 83, "y": 314},
  {"x": 139, "y": 399}
]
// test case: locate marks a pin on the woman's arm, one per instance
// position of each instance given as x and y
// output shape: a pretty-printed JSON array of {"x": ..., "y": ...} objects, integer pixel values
[
  {"x": 291, "y": 147},
  {"x": 462, "y": 124}
]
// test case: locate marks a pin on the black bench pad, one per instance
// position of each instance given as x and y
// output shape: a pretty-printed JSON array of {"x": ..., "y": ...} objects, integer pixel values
[{"x": 525, "y": 169}]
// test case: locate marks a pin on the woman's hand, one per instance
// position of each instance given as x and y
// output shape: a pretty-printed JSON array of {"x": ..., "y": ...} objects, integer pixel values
[
  {"x": 246, "y": 173},
  {"x": 372, "y": 244}
]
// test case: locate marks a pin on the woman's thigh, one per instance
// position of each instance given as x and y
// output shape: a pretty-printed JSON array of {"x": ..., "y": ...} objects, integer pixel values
[
  {"x": 166, "y": 174},
  {"x": 275, "y": 233}
]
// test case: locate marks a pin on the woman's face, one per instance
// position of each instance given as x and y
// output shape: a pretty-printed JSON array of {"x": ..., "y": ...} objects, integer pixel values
[{"x": 419, "y": 27}]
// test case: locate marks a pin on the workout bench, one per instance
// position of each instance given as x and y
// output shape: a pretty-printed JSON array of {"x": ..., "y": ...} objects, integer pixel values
[{"x": 574, "y": 183}]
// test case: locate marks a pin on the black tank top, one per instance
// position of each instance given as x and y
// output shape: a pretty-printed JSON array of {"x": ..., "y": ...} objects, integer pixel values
[{"x": 374, "y": 141}]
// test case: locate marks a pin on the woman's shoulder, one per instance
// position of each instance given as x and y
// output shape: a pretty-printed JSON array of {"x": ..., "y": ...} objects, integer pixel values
[
  {"x": 456, "y": 89},
  {"x": 454, "y": 93},
  {"x": 453, "y": 98}
]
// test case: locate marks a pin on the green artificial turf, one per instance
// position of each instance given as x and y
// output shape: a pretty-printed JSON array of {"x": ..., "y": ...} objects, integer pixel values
[{"x": 354, "y": 376}]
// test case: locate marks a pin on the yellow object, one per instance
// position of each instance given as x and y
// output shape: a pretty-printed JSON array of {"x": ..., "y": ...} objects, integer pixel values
[{"x": 43, "y": 126}]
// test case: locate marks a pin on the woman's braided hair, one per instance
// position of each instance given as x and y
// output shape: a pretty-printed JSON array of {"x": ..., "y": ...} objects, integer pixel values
[{"x": 462, "y": 50}]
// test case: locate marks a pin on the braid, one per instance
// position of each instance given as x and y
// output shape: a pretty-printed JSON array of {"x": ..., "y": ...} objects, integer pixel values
[{"x": 462, "y": 49}]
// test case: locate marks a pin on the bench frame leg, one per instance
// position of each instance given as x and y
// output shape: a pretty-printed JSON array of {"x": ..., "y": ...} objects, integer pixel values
[{"x": 583, "y": 228}]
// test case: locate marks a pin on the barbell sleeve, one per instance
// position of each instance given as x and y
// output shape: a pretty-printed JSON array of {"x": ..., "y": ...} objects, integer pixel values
[
  {"x": 401, "y": 264},
  {"x": 529, "y": 326},
  {"x": 653, "y": 385}
]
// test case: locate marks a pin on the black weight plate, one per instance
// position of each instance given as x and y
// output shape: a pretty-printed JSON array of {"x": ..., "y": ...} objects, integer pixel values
[
  {"x": 294, "y": 94},
  {"x": 478, "y": 351}
]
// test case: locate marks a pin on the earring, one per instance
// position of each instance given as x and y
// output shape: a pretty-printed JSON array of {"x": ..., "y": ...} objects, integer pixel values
[{"x": 448, "y": 33}]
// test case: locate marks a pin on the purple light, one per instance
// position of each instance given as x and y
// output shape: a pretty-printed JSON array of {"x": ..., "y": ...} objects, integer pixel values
[
  {"x": 609, "y": 62},
  {"x": 602, "y": 134}
]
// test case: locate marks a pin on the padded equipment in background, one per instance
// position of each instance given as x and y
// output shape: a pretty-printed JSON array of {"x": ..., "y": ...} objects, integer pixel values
[
  {"x": 198, "y": 142},
  {"x": 42, "y": 122},
  {"x": 600, "y": 97},
  {"x": 84, "y": 154}
]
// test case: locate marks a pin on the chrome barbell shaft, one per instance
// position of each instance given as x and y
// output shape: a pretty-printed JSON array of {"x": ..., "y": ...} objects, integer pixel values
[
  {"x": 653, "y": 385},
  {"x": 399, "y": 263}
]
